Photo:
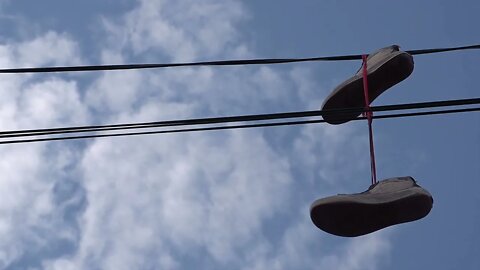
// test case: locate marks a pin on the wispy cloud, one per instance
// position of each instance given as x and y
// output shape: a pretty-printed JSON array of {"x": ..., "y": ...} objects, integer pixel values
[{"x": 236, "y": 199}]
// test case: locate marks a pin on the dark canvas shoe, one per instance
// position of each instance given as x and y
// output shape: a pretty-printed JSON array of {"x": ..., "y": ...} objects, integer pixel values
[
  {"x": 388, "y": 202},
  {"x": 385, "y": 68}
]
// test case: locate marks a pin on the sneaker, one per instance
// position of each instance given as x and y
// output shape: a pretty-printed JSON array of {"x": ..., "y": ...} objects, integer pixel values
[
  {"x": 386, "y": 203},
  {"x": 385, "y": 68}
]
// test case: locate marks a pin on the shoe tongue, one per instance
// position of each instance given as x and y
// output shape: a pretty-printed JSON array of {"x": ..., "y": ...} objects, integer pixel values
[{"x": 393, "y": 185}]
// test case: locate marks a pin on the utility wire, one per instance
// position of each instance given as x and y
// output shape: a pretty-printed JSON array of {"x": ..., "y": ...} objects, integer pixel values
[
  {"x": 233, "y": 127},
  {"x": 264, "y": 61},
  {"x": 231, "y": 119}
]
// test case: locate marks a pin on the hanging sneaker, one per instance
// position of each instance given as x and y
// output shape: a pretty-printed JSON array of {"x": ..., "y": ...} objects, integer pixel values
[
  {"x": 385, "y": 68},
  {"x": 386, "y": 203}
]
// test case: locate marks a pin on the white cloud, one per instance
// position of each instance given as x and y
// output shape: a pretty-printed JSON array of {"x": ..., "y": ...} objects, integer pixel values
[
  {"x": 214, "y": 200},
  {"x": 51, "y": 48},
  {"x": 115, "y": 92},
  {"x": 51, "y": 101},
  {"x": 180, "y": 30},
  {"x": 299, "y": 248},
  {"x": 29, "y": 218},
  {"x": 188, "y": 192}
]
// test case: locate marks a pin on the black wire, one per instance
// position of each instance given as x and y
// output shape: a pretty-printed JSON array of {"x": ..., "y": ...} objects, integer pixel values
[
  {"x": 234, "y": 127},
  {"x": 264, "y": 61},
  {"x": 427, "y": 51},
  {"x": 230, "y": 119}
]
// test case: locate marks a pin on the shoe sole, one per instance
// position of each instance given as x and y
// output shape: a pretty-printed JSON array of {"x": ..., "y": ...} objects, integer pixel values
[
  {"x": 394, "y": 69},
  {"x": 351, "y": 217}
]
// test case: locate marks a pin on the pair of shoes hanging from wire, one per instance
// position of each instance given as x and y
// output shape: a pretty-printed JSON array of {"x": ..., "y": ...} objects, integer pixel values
[{"x": 387, "y": 202}]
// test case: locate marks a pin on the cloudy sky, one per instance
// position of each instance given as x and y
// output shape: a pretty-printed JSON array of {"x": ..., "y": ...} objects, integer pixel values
[{"x": 234, "y": 199}]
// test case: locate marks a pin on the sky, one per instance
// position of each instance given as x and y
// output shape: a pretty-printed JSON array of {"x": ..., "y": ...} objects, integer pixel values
[{"x": 232, "y": 199}]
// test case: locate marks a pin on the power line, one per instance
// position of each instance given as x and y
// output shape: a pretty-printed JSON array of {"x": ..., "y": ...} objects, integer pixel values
[
  {"x": 231, "y": 119},
  {"x": 399, "y": 115},
  {"x": 263, "y": 61}
]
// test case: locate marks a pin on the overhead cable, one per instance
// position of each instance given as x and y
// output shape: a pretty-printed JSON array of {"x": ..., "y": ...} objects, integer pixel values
[
  {"x": 231, "y": 119},
  {"x": 263, "y": 61},
  {"x": 225, "y": 127}
]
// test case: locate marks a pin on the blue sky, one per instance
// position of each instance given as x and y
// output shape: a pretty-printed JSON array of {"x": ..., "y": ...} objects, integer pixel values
[{"x": 229, "y": 199}]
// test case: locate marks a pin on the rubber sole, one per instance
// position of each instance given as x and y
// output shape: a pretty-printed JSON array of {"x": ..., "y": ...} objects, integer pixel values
[
  {"x": 350, "y": 93},
  {"x": 353, "y": 218}
]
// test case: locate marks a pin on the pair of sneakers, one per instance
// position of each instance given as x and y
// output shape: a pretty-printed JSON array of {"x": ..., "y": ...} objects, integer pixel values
[{"x": 388, "y": 202}]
